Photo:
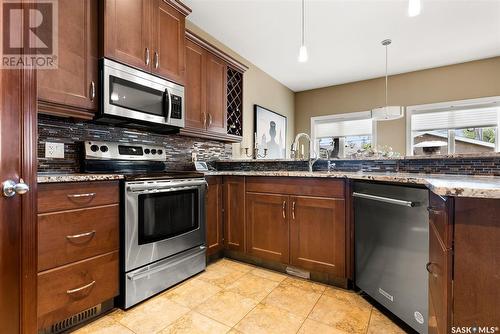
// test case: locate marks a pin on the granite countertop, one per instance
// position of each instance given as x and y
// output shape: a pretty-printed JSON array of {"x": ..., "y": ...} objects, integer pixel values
[
  {"x": 440, "y": 184},
  {"x": 57, "y": 178}
]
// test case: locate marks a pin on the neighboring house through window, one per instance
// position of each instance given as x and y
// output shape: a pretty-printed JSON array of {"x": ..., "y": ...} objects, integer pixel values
[{"x": 468, "y": 126}]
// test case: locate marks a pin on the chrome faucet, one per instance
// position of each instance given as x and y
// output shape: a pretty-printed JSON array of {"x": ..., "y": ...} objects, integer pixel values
[{"x": 295, "y": 147}]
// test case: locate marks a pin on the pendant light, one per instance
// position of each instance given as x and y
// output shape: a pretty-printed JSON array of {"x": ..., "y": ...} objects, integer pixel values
[
  {"x": 414, "y": 7},
  {"x": 388, "y": 112},
  {"x": 303, "y": 50}
]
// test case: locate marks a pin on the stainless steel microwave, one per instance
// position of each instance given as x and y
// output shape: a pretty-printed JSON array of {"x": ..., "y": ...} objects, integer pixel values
[{"x": 133, "y": 97}]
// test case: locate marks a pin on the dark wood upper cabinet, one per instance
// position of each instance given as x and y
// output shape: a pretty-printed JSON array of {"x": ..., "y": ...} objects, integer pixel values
[
  {"x": 213, "y": 104},
  {"x": 127, "y": 32},
  {"x": 216, "y": 94},
  {"x": 267, "y": 226},
  {"x": 317, "y": 234},
  {"x": 72, "y": 89},
  {"x": 234, "y": 213},
  {"x": 195, "y": 89},
  {"x": 168, "y": 58},
  {"x": 214, "y": 231},
  {"x": 147, "y": 34}
]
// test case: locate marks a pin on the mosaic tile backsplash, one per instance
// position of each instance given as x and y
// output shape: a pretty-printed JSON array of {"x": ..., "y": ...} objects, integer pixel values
[
  {"x": 458, "y": 166},
  {"x": 72, "y": 132}
]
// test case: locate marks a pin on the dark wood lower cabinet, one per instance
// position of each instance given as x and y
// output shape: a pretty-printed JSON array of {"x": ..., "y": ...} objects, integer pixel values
[
  {"x": 214, "y": 233},
  {"x": 234, "y": 213},
  {"x": 317, "y": 234},
  {"x": 267, "y": 226},
  {"x": 476, "y": 285}
]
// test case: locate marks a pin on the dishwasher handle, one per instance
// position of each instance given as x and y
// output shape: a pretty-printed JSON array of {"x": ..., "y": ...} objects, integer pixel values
[{"x": 385, "y": 199}]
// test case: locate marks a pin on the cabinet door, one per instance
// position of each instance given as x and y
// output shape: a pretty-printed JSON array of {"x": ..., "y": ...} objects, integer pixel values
[
  {"x": 214, "y": 215},
  {"x": 216, "y": 94},
  {"x": 267, "y": 226},
  {"x": 476, "y": 277},
  {"x": 74, "y": 82},
  {"x": 195, "y": 90},
  {"x": 439, "y": 268},
  {"x": 234, "y": 213},
  {"x": 127, "y": 32},
  {"x": 168, "y": 42},
  {"x": 317, "y": 234}
]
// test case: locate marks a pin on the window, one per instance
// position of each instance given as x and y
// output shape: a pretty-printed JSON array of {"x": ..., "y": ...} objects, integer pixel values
[
  {"x": 469, "y": 126},
  {"x": 340, "y": 136}
]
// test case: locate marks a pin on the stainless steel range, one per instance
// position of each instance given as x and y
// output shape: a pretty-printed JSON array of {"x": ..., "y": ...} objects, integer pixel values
[{"x": 163, "y": 221}]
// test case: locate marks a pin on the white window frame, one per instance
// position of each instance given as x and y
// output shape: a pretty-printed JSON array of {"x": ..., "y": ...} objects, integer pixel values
[
  {"x": 353, "y": 116},
  {"x": 483, "y": 102}
]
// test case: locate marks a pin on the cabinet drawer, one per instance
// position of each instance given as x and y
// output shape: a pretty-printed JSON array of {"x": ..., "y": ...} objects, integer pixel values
[
  {"x": 67, "y": 196},
  {"x": 70, "y": 289},
  {"x": 439, "y": 268},
  {"x": 74, "y": 235},
  {"x": 319, "y": 187}
]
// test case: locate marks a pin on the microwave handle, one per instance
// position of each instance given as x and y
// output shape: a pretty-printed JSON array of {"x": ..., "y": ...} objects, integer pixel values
[{"x": 169, "y": 110}]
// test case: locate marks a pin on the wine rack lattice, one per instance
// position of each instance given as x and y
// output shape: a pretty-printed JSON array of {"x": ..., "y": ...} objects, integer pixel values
[{"x": 234, "y": 102}]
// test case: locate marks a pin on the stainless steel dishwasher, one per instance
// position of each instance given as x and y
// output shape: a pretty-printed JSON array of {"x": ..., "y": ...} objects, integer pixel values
[{"x": 392, "y": 248}]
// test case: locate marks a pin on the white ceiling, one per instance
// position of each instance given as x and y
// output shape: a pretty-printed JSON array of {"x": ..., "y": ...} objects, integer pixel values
[{"x": 343, "y": 37}]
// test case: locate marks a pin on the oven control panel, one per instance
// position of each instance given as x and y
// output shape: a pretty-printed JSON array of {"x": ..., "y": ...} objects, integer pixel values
[{"x": 97, "y": 150}]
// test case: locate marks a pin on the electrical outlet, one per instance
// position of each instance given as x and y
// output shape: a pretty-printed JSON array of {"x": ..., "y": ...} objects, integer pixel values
[
  {"x": 194, "y": 157},
  {"x": 54, "y": 150}
]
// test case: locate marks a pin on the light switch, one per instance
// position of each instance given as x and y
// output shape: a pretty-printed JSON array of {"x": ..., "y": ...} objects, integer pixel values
[{"x": 54, "y": 150}]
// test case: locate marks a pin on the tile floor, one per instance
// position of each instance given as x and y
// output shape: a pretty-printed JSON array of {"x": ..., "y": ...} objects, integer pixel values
[{"x": 232, "y": 297}]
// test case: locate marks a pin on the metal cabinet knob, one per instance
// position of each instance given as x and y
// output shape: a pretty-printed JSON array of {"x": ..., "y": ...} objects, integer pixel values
[{"x": 11, "y": 188}]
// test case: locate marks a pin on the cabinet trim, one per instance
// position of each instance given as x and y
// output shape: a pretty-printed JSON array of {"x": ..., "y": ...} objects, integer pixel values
[
  {"x": 179, "y": 6},
  {"x": 232, "y": 62}
]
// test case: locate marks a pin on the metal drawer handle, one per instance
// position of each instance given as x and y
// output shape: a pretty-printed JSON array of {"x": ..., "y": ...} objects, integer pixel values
[
  {"x": 428, "y": 268},
  {"x": 385, "y": 199},
  {"x": 81, "y": 195},
  {"x": 434, "y": 211},
  {"x": 69, "y": 292},
  {"x": 293, "y": 210},
  {"x": 283, "y": 209},
  {"x": 82, "y": 235}
]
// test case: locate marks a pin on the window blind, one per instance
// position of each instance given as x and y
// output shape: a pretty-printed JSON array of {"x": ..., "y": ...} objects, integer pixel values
[
  {"x": 344, "y": 128},
  {"x": 456, "y": 119}
]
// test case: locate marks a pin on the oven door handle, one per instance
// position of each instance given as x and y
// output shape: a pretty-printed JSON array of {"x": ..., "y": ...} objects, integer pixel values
[
  {"x": 153, "y": 269},
  {"x": 171, "y": 186}
]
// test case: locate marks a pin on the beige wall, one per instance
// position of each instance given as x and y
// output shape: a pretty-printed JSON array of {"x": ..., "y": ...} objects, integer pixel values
[
  {"x": 455, "y": 82},
  {"x": 258, "y": 88}
]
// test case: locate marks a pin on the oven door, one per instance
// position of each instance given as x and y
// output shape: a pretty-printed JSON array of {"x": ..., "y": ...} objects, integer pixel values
[{"x": 162, "y": 218}]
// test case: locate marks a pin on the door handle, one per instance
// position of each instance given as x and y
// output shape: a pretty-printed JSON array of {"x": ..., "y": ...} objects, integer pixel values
[
  {"x": 80, "y": 195},
  {"x": 428, "y": 268},
  {"x": 92, "y": 91},
  {"x": 293, "y": 210},
  {"x": 156, "y": 59},
  {"x": 205, "y": 119},
  {"x": 11, "y": 188},
  {"x": 283, "y": 208},
  {"x": 209, "y": 119},
  {"x": 147, "y": 56}
]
